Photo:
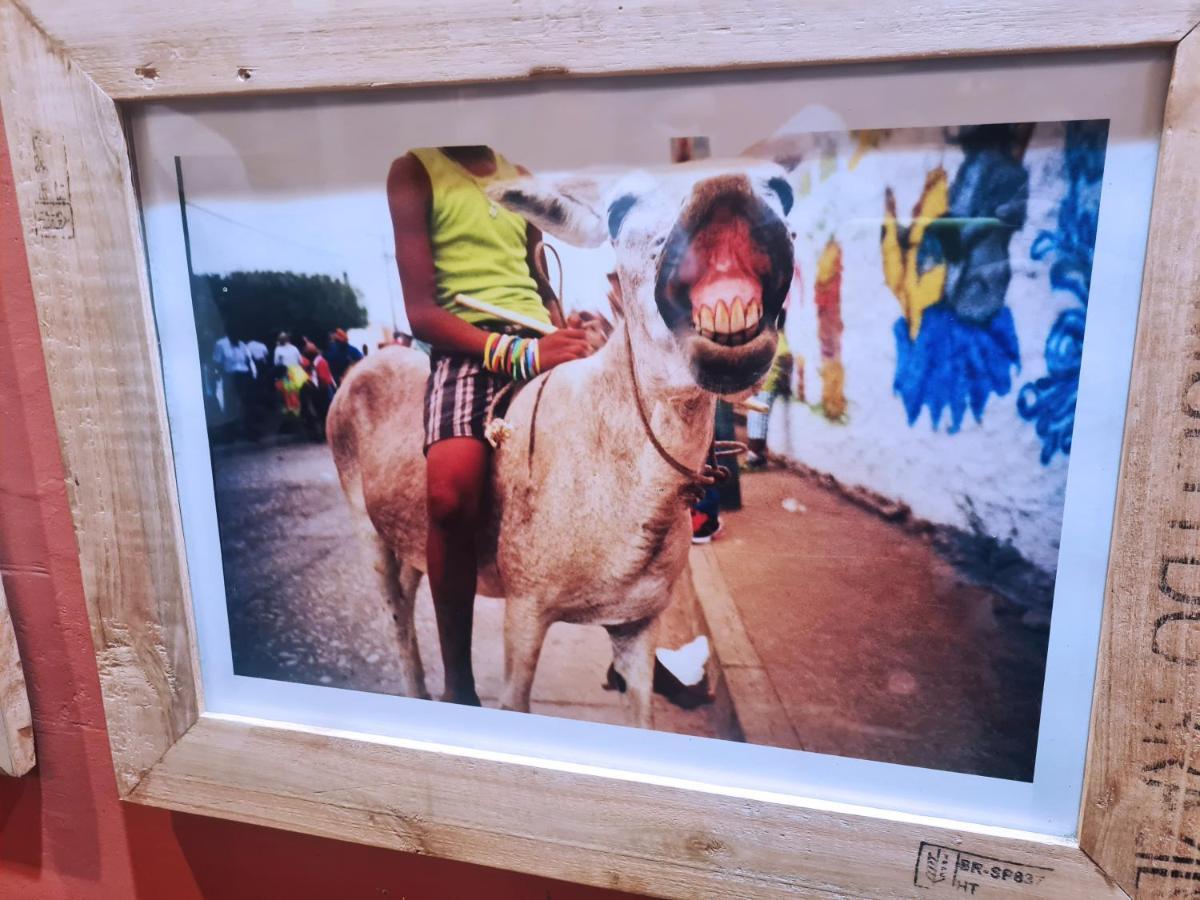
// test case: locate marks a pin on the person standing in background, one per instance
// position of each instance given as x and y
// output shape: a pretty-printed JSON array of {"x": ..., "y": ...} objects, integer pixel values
[
  {"x": 341, "y": 354},
  {"x": 263, "y": 386},
  {"x": 286, "y": 354},
  {"x": 777, "y": 384},
  {"x": 289, "y": 374},
  {"x": 258, "y": 353},
  {"x": 235, "y": 369},
  {"x": 322, "y": 379}
]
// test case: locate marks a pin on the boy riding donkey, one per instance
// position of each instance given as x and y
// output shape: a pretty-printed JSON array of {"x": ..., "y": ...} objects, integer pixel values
[{"x": 451, "y": 239}]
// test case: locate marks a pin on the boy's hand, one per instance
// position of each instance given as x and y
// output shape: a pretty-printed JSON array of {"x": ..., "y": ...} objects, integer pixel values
[
  {"x": 595, "y": 325},
  {"x": 563, "y": 346}
]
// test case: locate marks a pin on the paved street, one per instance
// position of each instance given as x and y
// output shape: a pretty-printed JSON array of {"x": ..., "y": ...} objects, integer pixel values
[{"x": 302, "y": 606}]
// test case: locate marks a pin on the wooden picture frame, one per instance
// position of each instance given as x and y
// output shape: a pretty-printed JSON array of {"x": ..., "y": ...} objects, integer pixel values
[
  {"x": 66, "y": 69},
  {"x": 17, "y": 754}
]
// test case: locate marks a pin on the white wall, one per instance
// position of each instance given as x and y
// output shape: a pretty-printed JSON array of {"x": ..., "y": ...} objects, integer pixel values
[{"x": 992, "y": 466}]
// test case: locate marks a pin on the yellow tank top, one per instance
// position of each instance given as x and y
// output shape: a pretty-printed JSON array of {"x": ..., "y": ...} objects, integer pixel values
[{"x": 479, "y": 247}]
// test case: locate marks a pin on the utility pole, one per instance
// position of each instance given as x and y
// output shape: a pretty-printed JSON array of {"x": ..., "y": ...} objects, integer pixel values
[
  {"x": 187, "y": 239},
  {"x": 207, "y": 386},
  {"x": 389, "y": 272}
]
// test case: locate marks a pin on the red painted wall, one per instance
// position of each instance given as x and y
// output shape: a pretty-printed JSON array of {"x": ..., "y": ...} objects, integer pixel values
[{"x": 63, "y": 833}]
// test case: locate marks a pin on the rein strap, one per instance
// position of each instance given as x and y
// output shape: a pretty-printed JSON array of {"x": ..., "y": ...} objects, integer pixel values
[{"x": 708, "y": 475}]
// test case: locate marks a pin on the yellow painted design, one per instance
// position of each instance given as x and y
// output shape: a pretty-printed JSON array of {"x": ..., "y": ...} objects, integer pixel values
[
  {"x": 804, "y": 188},
  {"x": 829, "y": 261},
  {"x": 867, "y": 140},
  {"x": 833, "y": 389},
  {"x": 827, "y": 295},
  {"x": 916, "y": 291}
]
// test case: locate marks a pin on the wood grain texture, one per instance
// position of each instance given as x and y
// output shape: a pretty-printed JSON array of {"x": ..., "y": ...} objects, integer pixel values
[
  {"x": 82, "y": 237},
  {"x": 147, "y": 48},
  {"x": 62, "y": 65},
  {"x": 1141, "y": 813},
  {"x": 16, "y": 724},
  {"x": 655, "y": 839}
]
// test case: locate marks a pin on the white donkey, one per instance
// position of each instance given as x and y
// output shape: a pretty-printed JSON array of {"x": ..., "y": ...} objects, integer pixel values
[{"x": 612, "y": 444}]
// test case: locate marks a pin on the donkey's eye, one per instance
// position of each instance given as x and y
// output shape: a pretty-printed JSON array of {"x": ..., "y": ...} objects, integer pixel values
[
  {"x": 784, "y": 191},
  {"x": 617, "y": 212}
]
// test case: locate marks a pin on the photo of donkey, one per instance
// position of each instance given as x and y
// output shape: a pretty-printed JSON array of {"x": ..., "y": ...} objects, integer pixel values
[
  {"x": 694, "y": 246},
  {"x": 759, "y": 435}
]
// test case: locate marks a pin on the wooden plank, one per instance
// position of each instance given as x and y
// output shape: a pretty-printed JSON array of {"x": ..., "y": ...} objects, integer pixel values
[
  {"x": 61, "y": 65},
  {"x": 146, "y": 48},
  {"x": 83, "y": 244},
  {"x": 16, "y": 724},
  {"x": 661, "y": 839},
  {"x": 1141, "y": 813}
]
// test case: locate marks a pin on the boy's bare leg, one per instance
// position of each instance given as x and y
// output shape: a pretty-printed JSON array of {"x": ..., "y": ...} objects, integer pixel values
[{"x": 457, "y": 471}]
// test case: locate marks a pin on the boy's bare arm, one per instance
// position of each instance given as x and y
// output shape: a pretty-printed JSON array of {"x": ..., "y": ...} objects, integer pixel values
[{"x": 409, "y": 199}]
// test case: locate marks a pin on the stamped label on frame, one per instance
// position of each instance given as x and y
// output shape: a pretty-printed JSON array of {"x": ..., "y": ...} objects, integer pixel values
[
  {"x": 967, "y": 873},
  {"x": 53, "y": 215}
]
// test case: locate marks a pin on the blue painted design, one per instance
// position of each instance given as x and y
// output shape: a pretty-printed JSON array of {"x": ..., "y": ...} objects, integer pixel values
[
  {"x": 954, "y": 365},
  {"x": 1049, "y": 402},
  {"x": 967, "y": 345}
]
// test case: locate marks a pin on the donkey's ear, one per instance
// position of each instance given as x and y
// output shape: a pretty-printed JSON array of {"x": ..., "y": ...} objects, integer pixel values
[{"x": 567, "y": 208}]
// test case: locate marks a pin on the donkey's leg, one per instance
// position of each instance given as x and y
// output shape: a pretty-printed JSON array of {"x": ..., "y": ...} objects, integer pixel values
[
  {"x": 633, "y": 658},
  {"x": 524, "y": 633},
  {"x": 398, "y": 583},
  {"x": 412, "y": 672}
]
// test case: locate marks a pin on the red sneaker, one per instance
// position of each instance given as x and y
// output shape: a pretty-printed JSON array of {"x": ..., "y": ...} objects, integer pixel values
[{"x": 705, "y": 527}]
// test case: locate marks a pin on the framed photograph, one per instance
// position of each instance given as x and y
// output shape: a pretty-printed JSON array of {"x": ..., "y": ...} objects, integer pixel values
[{"x": 758, "y": 479}]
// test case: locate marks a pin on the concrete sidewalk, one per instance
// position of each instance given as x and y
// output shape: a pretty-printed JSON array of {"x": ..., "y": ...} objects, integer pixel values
[{"x": 840, "y": 632}]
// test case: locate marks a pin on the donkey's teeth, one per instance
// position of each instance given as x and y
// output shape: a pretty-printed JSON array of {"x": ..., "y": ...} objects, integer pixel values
[
  {"x": 752, "y": 313},
  {"x": 706, "y": 319},
  {"x": 737, "y": 319},
  {"x": 722, "y": 317}
]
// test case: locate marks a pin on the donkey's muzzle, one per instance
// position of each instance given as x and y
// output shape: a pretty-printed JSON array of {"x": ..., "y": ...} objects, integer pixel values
[{"x": 723, "y": 276}]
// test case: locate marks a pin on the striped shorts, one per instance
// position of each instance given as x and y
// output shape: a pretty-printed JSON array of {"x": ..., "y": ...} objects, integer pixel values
[{"x": 457, "y": 397}]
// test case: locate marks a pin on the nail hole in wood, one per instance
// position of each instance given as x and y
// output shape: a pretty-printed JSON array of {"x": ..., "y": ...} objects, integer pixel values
[{"x": 244, "y": 73}]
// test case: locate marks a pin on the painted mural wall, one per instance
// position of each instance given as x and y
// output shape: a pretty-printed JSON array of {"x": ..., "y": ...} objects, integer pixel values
[{"x": 937, "y": 317}]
